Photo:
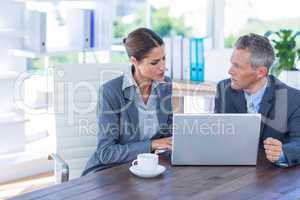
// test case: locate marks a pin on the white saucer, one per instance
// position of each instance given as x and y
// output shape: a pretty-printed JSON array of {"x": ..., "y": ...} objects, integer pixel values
[{"x": 136, "y": 171}]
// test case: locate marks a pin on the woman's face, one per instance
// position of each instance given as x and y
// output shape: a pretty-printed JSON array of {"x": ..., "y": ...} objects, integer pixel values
[{"x": 153, "y": 66}]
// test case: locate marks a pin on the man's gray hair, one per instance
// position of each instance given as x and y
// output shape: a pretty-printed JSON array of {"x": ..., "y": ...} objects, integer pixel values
[{"x": 262, "y": 53}]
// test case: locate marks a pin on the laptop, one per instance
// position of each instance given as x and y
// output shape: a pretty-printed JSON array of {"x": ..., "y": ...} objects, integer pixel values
[{"x": 215, "y": 139}]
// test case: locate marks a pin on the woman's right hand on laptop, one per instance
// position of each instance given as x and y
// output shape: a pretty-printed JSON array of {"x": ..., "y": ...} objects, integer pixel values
[{"x": 164, "y": 143}]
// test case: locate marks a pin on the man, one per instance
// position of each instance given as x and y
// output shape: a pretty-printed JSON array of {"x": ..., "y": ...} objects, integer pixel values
[{"x": 251, "y": 90}]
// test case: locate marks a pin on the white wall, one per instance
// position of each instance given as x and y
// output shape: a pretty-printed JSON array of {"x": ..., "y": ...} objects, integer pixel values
[
  {"x": 217, "y": 63},
  {"x": 15, "y": 162},
  {"x": 11, "y": 14}
]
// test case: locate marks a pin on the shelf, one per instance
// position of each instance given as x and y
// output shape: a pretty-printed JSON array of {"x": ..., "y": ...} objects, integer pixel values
[
  {"x": 12, "y": 117},
  {"x": 51, "y": 1},
  {"x": 118, "y": 48},
  {"x": 33, "y": 160},
  {"x": 23, "y": 53},
  {"x": 54, "y": 52},
  {"x": 8, "y": 32},
  {"x": 8, "y": 75},
  {"x": 24, "y": 164}
]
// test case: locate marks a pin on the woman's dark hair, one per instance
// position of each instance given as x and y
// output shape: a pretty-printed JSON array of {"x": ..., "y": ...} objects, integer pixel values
[{"x": 140, "y": 42}]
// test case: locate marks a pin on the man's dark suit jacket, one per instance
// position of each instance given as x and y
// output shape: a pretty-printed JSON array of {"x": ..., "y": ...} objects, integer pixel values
[{"x": 280, "y": 110}]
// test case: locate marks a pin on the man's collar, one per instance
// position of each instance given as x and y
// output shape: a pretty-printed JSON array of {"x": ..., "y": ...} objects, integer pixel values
[{"x": 260, "y": 91}]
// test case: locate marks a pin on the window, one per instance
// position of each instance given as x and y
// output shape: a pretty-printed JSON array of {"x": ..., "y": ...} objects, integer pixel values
[
  {"x": 175, "y": 17},
  {"x": 165, "y": 17},
  {"x": 259, "y": 16}
]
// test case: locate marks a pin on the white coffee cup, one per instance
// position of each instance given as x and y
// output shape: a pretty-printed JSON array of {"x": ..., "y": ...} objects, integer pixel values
[{"x": 147, "y": 162}]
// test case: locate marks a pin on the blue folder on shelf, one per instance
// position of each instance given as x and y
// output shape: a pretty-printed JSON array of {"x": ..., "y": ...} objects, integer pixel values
[{"x": 196, "y": 59}]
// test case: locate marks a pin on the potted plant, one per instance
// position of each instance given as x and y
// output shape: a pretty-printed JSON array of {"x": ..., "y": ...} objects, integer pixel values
[{"x": 287, "y": 56}]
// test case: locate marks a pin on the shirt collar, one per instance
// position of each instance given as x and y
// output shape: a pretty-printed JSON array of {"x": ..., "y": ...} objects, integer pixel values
[
  {"x": 257, "y": 96},
  {"x": 129, "y": 81}
]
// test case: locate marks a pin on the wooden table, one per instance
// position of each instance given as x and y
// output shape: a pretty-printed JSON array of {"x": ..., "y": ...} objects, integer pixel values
[{"x": 263, "y": 182}]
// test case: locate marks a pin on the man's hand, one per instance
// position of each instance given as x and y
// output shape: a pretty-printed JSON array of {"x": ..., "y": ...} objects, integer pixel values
[
  {"x": 273, "y": 149},
  {"x": 164, "y": 143}
]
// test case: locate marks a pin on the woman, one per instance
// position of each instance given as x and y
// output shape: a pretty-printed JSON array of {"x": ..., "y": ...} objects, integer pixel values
[{"x": 134, "y": 110}]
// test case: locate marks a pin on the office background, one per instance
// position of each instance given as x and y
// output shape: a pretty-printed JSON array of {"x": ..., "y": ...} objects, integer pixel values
[{"x": 36, "y": 35}]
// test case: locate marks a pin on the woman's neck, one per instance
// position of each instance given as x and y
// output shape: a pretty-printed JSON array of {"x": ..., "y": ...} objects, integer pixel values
[{"x": 143, "y": 83}]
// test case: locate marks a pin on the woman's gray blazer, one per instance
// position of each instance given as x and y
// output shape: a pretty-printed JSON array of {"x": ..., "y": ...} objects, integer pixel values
[{"x": 118, "y": 127}]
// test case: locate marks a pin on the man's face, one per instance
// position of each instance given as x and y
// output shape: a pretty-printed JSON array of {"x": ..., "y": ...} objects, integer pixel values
[{"x": 242, "y": 75}]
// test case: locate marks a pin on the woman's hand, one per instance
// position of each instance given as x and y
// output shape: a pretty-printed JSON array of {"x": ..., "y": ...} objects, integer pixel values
[{"x": 164, "y": 143}]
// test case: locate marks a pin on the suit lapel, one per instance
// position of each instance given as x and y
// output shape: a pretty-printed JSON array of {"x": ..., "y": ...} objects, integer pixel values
[
  {"x": 267, "y": 102},
  {"x": 161, "y": 105},
  {"x": 131, "y": 108},
  {"x": 240, "y": 102}
]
